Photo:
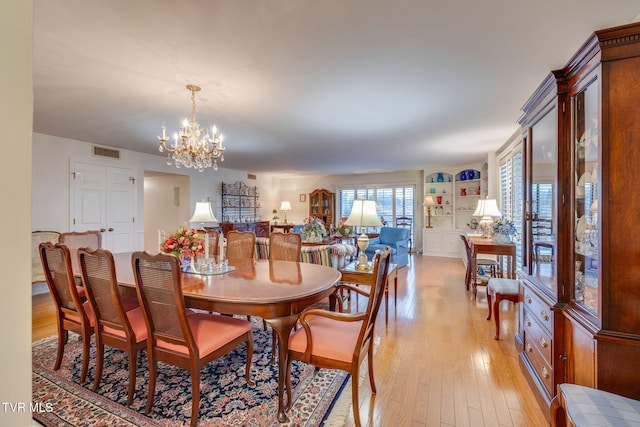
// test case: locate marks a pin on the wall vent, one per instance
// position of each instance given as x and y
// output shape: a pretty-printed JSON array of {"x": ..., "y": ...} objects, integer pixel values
[
  {"x": 106, "y": 152},
  {"x": 251, "y": 176}
]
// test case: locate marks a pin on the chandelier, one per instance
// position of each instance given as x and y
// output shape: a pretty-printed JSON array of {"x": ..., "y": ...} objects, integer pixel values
[{"x": 193, "y": 146}]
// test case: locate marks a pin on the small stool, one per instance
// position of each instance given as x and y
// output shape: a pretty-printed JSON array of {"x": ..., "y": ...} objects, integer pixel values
[
  {"x": 501, "y": 289},
  {"x": 580, "y": 406}
]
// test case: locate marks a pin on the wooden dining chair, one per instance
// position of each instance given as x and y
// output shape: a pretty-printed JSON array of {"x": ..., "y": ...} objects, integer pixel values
[
  {"x": 241, "y": 244},
  {"x": 75, "y": 240},
  {"x": 119, "y": 322},
  {"x": 71, "y": 313},
  {"x": 334, "y": 340},
  {"x": 486, "y": 264},
  {"x": 189, "y": 340},
  {"x": 285, "y": 246},
  {"x": 214, "y": 237}
]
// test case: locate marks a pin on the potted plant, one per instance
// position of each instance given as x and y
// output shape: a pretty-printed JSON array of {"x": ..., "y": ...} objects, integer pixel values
[
  {"x": 275, "y": 216},
  {"x": 503, "y": 231}
]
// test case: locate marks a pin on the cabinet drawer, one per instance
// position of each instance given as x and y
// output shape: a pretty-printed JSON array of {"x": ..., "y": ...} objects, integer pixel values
[
  {"x": 537, "y": 335},
  {"x": 542, "y": 368},
  {"x": 538, "y": 309}
]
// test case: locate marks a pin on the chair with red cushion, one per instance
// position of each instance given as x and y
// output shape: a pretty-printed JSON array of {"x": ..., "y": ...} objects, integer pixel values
[
  {"x": 285, "y": 246},
  {"x": 176, "y": 336},
  {"x": 334, "y": 340},
  {"x": 75, "y": 240},
  {"x": 241, "y": 244},
  {"x": 71, "y": 313},
  {"x": 119, "y": 321}
]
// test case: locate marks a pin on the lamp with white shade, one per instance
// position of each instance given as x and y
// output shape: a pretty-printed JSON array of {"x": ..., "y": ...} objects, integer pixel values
[
  {"x": 364, "y": 213},
  {"x": 487, "y": 210},
  {"x": 428, "y": 201},
  {"x": 204, "y": 214},
  {"x": 284, "y": 207}
]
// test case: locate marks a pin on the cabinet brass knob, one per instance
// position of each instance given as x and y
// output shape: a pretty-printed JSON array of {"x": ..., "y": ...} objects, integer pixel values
[
  {"x": 529, "y": 349},
  {"x": 527, "y": 321},
  {"x": 544, "y": 315},
  {"x": 543, "y": 343},
  {"x": 545, "y": 373},
  {"x": 529, "y": 300}
]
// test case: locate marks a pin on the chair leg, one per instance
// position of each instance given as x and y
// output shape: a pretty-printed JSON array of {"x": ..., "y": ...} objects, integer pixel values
[
  {"x": 496, "y": 315},
  {"x": 86, "y": 341},
  {"x": 274, "y": 343},
  {"x": 249, "y": 358},
  {"x": 133, "y": 365},
  {"x": 99, "y": 362},
  {"x": 355, "y": 401},
  {"x": 195, "y": 397},
  {"x": 372, "y": 380},
  {"x": 62, "y": 339},
  {"x": 288, "y": 383},
  {"x": 153, "y": 367},
  {"x": 489, "y": 304}
]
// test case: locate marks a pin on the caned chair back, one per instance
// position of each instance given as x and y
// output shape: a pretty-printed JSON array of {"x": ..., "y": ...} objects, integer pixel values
[
  {"x": 75, "y": 240},
  {"x": 56, "y": 263},
  {"x": 101, "y": 284},
  {"x": 159, "y": 288},
  {"x": 214, "y": 237},
  {"x": 285, "y": 246},
  {"x": 240, "y": 244},
  {"x": 381, "y": 262}
]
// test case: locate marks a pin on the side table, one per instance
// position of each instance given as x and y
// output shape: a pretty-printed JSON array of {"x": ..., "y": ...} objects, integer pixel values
[{"x": 351, "y": 275}]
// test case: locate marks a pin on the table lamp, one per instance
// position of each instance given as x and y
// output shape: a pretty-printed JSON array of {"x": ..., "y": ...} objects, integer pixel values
[
  {"x": 285, "y": 206},
  {"x": 428, "y": 201},
  {"x": 363, "y": 214},
  {"x": 487, "y": 210},
  {"x": 204, "y": 214}
]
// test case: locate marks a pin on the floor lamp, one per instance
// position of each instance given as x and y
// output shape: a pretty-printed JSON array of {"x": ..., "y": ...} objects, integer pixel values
[
  {"x": 487, "y": 210},
  {"x": 364, "y": 213},
  {"x": 428, "y": 202}
]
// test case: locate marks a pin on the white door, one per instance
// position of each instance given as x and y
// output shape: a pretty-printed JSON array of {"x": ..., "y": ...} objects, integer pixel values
[{"x": 104, "y": 198}]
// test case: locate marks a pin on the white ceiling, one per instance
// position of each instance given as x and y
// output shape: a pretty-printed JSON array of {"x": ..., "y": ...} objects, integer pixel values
[{"x": 306, "y": 86}]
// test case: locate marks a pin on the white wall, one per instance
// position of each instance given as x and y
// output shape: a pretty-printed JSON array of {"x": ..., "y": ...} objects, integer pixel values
[
  {"x": 52, "y": 157},
  {"x": 16, "y": 122}
]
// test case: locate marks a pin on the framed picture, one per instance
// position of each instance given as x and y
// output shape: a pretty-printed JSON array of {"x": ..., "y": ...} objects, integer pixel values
[{"x": 303, "y": 197}]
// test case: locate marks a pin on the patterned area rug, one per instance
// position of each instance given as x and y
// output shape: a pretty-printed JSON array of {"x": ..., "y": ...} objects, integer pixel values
[{"x": 226, "y": 399}]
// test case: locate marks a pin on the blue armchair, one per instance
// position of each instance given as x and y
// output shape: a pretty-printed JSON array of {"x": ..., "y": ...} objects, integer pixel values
[{"x": 395, "y": 238}]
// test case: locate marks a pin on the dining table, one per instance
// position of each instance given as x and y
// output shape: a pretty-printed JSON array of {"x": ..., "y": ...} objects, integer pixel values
[{"x": 277, "y": 291}]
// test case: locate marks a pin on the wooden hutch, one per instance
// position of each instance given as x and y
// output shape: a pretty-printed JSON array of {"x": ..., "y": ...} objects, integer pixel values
[
  {"x": 579, "y": 319},
  {"x": 321, "y": 205}
]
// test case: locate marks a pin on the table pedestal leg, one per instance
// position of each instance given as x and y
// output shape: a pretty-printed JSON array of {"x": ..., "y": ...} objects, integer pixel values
[{"x": 283, "y": 326}]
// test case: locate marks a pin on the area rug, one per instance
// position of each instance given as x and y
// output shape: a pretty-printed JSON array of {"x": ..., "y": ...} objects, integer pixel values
[{"x": 226, "y": 399}]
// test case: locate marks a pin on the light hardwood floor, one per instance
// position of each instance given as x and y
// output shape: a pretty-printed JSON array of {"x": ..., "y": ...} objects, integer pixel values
[{"x": 437, "y": 363}]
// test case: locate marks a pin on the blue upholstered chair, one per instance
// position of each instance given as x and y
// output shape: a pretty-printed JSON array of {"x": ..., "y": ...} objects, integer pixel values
[{"x": 395, "y": 238}]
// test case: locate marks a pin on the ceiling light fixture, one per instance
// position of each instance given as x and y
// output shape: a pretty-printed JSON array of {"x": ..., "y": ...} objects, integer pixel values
[{"x": 193, "y": 147}]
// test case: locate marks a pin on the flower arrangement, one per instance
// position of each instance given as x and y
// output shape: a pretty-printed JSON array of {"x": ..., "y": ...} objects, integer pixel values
[
  {"x": 185, "y": 242},
  {"x": 313, "y": 228},
  {"x": 504, "y": 227},
  {"x": 344, "y": 230}
]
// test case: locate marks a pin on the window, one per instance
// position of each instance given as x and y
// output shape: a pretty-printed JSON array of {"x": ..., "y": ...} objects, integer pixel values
[
  {"x": 511, "y": 195},
  {"x": 392, "y": 201}
]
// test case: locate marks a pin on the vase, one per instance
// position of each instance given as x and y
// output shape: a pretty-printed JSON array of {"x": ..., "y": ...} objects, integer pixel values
[
  {"x": 440, "y": 177},
  {"x": 313, "y": 238},
  {"x": 185, "y": 264},
  {"x": 502, "y": 238}
]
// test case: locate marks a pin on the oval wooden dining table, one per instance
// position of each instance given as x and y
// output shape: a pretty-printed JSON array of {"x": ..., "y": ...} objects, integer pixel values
[{"x": 277, "y": 291}]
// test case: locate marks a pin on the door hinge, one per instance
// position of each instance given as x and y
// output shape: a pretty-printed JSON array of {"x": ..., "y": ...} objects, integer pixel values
[
  {"x": 74, "y": 221},
  {"x": 73, "y": 174}
]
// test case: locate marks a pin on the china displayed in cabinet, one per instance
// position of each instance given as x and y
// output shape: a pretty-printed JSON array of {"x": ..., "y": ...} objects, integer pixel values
[
  {"x": 241, "y": 209},
  {"x": 321, "y": 206},
  {"x": 580, "y": 310}
]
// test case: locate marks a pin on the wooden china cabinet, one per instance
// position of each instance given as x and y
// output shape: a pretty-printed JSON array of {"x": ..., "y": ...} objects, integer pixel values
[
  {"x": 579, "y": 320},
  {"x": 321, "y": 206}
]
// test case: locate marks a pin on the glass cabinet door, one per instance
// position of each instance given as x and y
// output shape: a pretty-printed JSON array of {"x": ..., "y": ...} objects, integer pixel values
[
  {"x": 542, "y": 197},
  {"x": 586, "y": 164}
]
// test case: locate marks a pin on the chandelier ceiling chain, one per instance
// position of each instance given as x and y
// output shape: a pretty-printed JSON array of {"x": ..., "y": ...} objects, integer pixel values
[{"x": 193, "y": 146}]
